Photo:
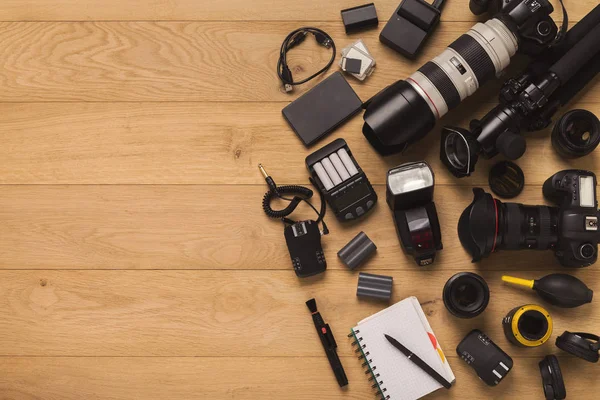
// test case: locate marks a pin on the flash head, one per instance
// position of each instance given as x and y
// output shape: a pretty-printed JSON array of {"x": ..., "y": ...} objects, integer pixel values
[{"x": 410, "y": 197}]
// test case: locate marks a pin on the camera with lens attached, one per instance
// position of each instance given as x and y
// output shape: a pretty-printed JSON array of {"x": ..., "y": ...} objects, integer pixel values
[
  {"x": 528, "y": 102},
  {"x": 407, "y": 110},
  {"x": 570, "y": 229}
]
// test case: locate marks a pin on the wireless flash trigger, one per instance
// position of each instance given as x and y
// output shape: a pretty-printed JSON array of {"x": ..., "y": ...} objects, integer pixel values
[
  {"x": 304, "y": 244},
  {"x": 490, "y": 362},
  {"x": 303, "y": 238}
]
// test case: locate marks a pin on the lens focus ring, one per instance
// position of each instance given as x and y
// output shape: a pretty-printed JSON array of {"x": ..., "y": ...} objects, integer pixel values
[
  {"x": 545, "y": 228},
  {"x": 513, "y": 228},
  {"x": 442, "y": 82},
  {"x": 476, "y": 56}
]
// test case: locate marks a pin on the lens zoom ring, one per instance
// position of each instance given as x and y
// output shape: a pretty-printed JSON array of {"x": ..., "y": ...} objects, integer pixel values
[
  {"x": 442, "y": 82},
  {"x": 513, "y": 228},
  {"x": 545, "y": 228},
  {"x": 476, "y": 56}
]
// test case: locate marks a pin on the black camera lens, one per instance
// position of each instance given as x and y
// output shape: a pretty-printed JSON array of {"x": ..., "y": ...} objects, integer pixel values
[
  {"x": 576, "y": 134},
  {"x": 488, "y": 225},
  {"x": 587, "y": 250},
  {"x": 466, "y": 295}
]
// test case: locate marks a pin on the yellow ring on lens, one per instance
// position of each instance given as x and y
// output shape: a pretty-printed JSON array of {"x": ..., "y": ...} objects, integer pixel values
[{"x": 515, "y": 325}]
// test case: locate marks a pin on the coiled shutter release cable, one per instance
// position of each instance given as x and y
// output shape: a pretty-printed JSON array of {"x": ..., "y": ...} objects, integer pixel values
[{"x": 299, "y": 193}]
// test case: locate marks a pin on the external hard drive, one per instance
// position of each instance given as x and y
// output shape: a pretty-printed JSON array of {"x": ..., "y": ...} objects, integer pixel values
[{"x": 322, "y": 109}]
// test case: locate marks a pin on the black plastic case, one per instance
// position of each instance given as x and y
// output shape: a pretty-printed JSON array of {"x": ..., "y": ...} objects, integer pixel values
[
  {"x": 353, "y": 197},
  {"x": 322, "y": 109}
]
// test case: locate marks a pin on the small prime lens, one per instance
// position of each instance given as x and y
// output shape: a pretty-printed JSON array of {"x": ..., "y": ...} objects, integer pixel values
[
  {"x": 576, "y": 134},
  {"x": 466, "y": 295}
]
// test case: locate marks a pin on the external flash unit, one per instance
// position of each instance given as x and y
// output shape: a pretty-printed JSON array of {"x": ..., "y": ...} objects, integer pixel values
[{"x": 410, "y": 197}]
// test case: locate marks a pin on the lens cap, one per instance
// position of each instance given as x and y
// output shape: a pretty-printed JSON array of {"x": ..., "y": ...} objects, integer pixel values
[{"x": 506, "y": 179}]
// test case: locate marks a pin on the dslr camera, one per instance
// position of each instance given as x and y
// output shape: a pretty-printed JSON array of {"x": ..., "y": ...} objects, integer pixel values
[
  {"x": 570, "y": 228},
  {"x": 407, "y": 110}
]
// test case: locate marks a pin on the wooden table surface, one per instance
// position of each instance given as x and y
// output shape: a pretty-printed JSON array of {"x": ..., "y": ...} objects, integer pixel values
[{"x": 135, "y": 259}]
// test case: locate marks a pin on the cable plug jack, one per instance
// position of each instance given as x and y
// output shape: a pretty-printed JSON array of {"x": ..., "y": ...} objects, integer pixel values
[
  {"x": 287, "y": 79},
  {"x": 270, "y": 182}
]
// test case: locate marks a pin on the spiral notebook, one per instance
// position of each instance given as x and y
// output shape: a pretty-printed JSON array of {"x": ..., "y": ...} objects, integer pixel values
[{"x": 392, "y": 374}]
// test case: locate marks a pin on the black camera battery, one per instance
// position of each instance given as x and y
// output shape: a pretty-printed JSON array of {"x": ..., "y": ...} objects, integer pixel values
[
  {"x": 358, "y": 18},
  {"x": 341, "y": 180}
]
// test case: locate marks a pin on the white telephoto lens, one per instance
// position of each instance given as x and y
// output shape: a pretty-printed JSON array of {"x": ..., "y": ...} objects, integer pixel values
[{"x": 471, "y": 60}]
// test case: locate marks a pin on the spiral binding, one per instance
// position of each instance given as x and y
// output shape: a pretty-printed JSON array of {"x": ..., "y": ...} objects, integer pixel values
[{"x": 368, "y": 364}]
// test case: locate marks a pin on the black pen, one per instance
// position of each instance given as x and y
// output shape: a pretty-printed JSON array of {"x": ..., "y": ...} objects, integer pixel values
[
  {"x": 328, "y": 342},
  {"x": 420, "y": 363}
]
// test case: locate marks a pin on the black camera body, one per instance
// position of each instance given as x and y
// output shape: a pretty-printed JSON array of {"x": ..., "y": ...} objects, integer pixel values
[
  {"x": 535, "y": 29},
  {"x": 570, "y": 228},
  {"x": 574, "y": 191}
]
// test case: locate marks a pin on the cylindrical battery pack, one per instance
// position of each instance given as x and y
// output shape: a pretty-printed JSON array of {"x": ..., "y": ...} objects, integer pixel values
[
  {"x": 348, "y": 163},
  {"x": 325, "y": 180}
]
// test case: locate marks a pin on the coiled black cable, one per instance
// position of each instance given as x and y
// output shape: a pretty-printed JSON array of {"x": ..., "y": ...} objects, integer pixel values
[{"x": 299, "y": 193}]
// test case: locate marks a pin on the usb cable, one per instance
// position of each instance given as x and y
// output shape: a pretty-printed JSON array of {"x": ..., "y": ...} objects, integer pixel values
[{"x": 294, "y": 39}]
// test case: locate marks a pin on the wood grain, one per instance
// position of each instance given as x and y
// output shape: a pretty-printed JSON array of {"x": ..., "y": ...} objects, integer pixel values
[
  {"x": 239, "y": 10},
  {"x": 135, "y": 260},
  {"x": 183, "y": 61},
  {"x": 236, "y": 313},
  {"x": 206, "y": 227},
  {"x": 306, "y": 378},
  {"x": 187, "y": 143}
]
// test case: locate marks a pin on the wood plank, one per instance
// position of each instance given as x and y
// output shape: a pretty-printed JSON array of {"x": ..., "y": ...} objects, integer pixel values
[
  {"x": 48, "y": 10},
  {"x": 184, "y": 143},
  {"x": 181, "y": 61},
  {"x": 236, "y": 313},
  {"x": 206, "y": 227},
  {"x": 218, "y": 378}
]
